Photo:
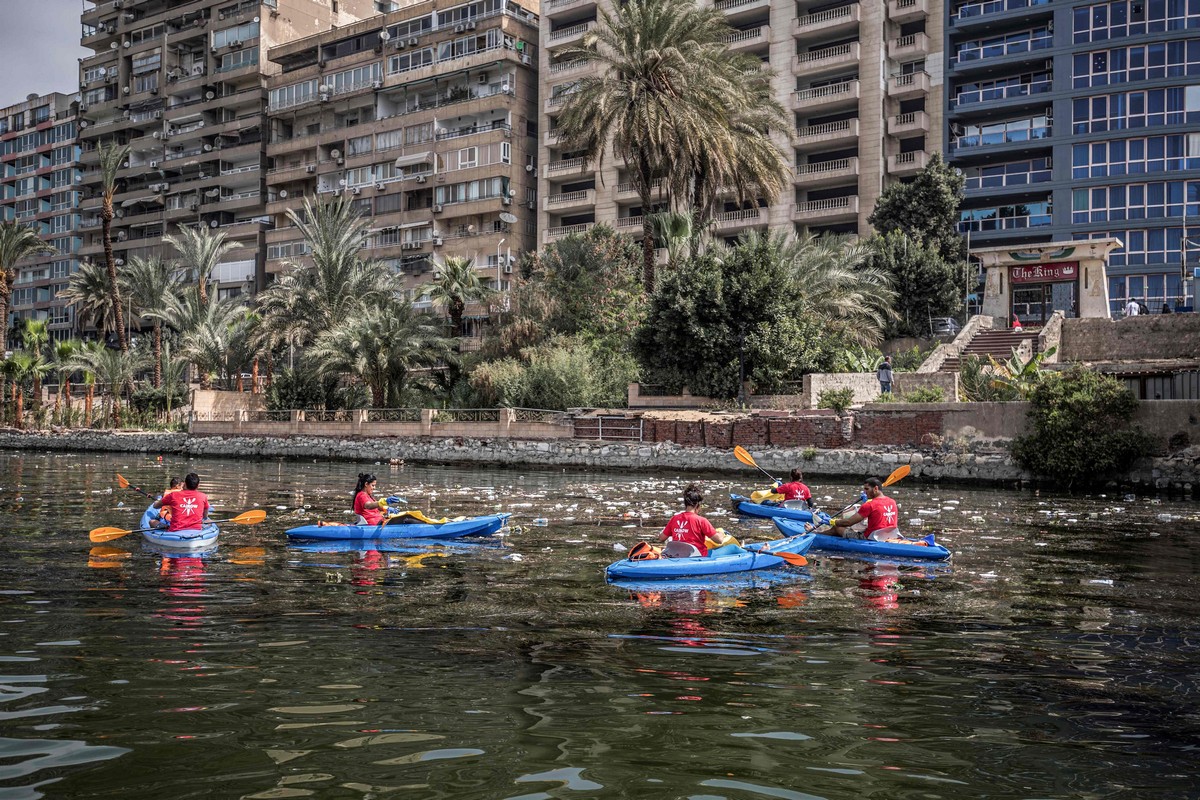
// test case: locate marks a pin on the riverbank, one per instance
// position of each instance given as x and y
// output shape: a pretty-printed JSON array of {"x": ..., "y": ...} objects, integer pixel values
[{"x": 1178, "y": 473}]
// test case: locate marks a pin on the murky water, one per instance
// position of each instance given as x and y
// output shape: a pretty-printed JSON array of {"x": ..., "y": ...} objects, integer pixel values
[{"x": 1056, "y": 656}]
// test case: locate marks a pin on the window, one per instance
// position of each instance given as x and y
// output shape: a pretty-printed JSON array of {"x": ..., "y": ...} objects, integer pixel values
[
  {"x": 405, "y": 62},
  {"x": 1156, "y": 200},
  {"x": 239, "y": 33},
  {"x": 1136, "y": 109},
  {"x": 238, "y": 59},
  {"x": 146, "y": 62},
  {"x": 145, "y": 83},
  {"x": 1018, "y": 130},
  {"x": 294, "y": 95},
  {"x": 468, "y": 157},
  {"x": 1117, "y": 19},
  {"x": 1003, "y": 218}
]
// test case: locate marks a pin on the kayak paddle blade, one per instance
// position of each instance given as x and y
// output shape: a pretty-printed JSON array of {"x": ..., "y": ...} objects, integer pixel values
[
  {"x": 107, "y": 534},
  {"x": 795, "y": 559},
  {"x": 248, "y": 518},
  {"x": 898, "y": 475}
]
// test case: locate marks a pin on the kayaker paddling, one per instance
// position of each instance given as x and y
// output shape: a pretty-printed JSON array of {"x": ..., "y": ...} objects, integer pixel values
[
  {"x": 686, "y": 532},
  {"x": 188, "y": 506},
  {"x": 878, "y": 510},
  {"x": 795, "y": 488},
  {"x": 369, "y": 510}
]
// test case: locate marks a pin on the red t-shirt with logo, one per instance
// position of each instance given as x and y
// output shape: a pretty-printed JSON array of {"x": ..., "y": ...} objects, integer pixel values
[
  {"x": 188, "y": 509},
  {"x": 373, "y": 516},
  {"x": 880, "y": 513},
  {"x": 690, "y": 527},
  {"x": 794, "y": 491}
]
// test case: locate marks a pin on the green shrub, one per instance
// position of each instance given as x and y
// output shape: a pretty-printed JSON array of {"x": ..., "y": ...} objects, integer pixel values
[
  {"x": 147, "y": 398},
  {"x": 887, "y": 397},
  {"x": 302, "y": 388},
  {"x": 1080, "y": 428},
  {"x": 926, "y": 394},
  {"x": 837, "y": 399},
  {"x": 809, "y": 453},
  {"x": 909, "y": 360}
]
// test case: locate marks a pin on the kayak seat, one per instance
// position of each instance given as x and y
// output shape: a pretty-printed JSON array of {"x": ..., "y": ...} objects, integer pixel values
[{"x": 674, "y": 549}]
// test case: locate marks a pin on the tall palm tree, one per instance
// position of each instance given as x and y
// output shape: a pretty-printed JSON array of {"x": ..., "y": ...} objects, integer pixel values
[
  {"x": 17, "y": 242},
  {"x": 35, "y": 341},
  {"x": 212, "y": 335},
  {"x": 114, "y": 369},
  {"x": 457, "y": 283},
  {"x": 26, "y": 368},
  {"x": 381, "y": 345},
  {"x": 667, "y": 98},
  {"x": 151, "y": 284},
  {"x": 112, "y": 159},
  {"x": 61, "y": 357},
  {"x": 89, "y": 292},
  {"x": 200, "y": 250}
]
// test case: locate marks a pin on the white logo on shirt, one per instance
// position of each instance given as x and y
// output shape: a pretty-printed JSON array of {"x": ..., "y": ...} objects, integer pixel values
[
  {"x": 188, "y": 505},
  {"x": 889, "y": 515}
]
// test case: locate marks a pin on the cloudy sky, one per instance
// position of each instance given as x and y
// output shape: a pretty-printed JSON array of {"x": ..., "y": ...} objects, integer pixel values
[{"x": 39, "y": 48}]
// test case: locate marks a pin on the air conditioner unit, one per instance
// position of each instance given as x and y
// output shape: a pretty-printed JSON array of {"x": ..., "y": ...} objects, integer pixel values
[
  {"x": 412, "y": 42},
  {"x": 323, "y": 97},
  {"x": 437, "y": 241},
  {"x": 341, "y": 161},
  {"x": 157, "y": 134},
  {"x": 356, "y": 190},
  {"x": 197, "y": 69},
  {"x": 153, "y": 165},
  {"x": 121, "y": 236},
  {"x": 120, "y": 262},
  {"x": 471, "y": 25},
  {"x": 401, "y": 44},
  {"x": 158, "y": 114},
  {"x": 379, "y": 186},
  {"x": 207, "y": 148},
  {"x": 376, "y": 84},
  {"x": 458, "y": 28},
  {"x": 213, "y": 49},
  {"x": 420, "y": 179},
  {"x": 508, "y": 269},
  {"x": 506, "y": 201},
  {"x": 234, "y": 44},
  {"x": 483, "y": 77},
  {"x": 310, "y": 168},
  {"x": 531, "y": 205},
  {"x": 437, "y": 209},
  {"x": 193, "y": 206}
]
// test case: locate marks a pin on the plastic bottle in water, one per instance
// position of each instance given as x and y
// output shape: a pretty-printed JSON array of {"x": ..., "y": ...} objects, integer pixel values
[{"x": 540, "y": 522}]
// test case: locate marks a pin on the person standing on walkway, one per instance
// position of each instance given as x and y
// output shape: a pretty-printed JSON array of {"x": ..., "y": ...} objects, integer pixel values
[
  {"x": 1132, "y": 308},
  {"x": 884, "y": 373}
]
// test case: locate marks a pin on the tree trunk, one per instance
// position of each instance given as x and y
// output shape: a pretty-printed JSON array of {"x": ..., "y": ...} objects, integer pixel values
[
  {"x": 66, "y": 393},
  {"x": 158, "y": 370},
  {"x": 254, "y": 376},
  {"x": 647, "y": 251},
  {"x": 55, "y": 414},
  {"x": 457, "y": 308},
  {"x": 87, "y": 405},
  {"x": 270, "y": 369},
  {"x": 20, "y": 406},
  {"x": 6, "y": 290},
  {"x": 240, "y": 386},
  {"x": 106, "y": 217}
]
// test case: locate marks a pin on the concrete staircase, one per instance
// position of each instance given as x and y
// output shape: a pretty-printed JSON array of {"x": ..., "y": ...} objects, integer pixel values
[{"x": 998, "y": 343}]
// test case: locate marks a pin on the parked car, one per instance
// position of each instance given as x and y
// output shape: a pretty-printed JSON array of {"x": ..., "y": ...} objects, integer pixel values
[{"x": 944, "y": 326}]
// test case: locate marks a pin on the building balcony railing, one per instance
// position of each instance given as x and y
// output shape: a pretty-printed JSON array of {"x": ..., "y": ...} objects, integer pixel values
[
  {"x": 625, "y": 189},
  {"x": 562, "y": 67},
  {"x": 567, "y": 201},
  {"x": 970, "y": 56},
  {"x": 553, "y": 234},
  {"x": 731, "y": 7},
  {"x": 907, "y": 10},
  {"x": 912, "y": 45},
  {"x": 742, "y": 218},
  {"x": 626, "y": 224},
  {"x": 824, "y": 23},
  {"x": 971, "y": 11},
  {"x": 553, "y": 7},
  {"x": 819, "y": 97},
  {"x": 975, "y": 183},
  {"x": 907, "y": 163},
  {"x": 999, "y": 93},
  {"x": 740, "y": 39},
  {"x": 823, "y": 173},
  {"x": 826, "y": 133},
  {"x": 1001, "y": 137},
  {"x": 994, "y": 224},
  {"x": 907, "y": 85},
  {"x": 566, "y": 165},
  {"x": 569, "y": 34},
  {"x": 824, "y": 210},
  {"x": 910, "y": 122},
  {"x": 826, "y": 59}
]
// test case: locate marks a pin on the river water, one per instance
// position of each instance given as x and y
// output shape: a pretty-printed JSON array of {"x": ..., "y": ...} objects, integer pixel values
[{"x": 1056, "y": 656}]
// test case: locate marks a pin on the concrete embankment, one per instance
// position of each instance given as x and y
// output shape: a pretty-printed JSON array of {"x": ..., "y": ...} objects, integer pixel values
[{"x": 1179, "y": 472}]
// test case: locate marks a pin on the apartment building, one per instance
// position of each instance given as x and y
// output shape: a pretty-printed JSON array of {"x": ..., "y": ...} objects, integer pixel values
[
  {"x": 183, "y": 83},
  {"x": 39, "y": 177},
  {"x": 1071, "y": 122},
  {"x": 427, "y": 117},
  {"x": 861, "y": 81}
]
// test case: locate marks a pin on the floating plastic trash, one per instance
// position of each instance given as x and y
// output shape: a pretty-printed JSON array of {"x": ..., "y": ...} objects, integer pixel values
[{"x": 540, "y": 522}]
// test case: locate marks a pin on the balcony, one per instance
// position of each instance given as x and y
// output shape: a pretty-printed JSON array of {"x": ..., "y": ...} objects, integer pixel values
[
  {"x": 734, "y": 9},
  {"x": 825, "y": 173},
  {"x": 569, "y": 35},
  {"x": 729, "y": 222},
  {"x": 566, "y": 67},
  {"x": 986, "y": 12},
  {"x": 835, "y": 209},
  {"x": 554, "y": 8},
  {"x": 826, "y": 135},
  {"x": 908, "y": 47},
  {"x": 626, "y": 191},
  {"x": 831, "y": 24},
  {"x": 628, "y": 225},
  {"x": 555, "y": 104},
  {"x": 907, "y": 163},
  {"x": 912, "y": 84},
  {"x": 828, "y": 59},
  {"x": 908, "y": 124},
  {"x": 821, "y": 99},
  {"x": 999, "y": 94},
  {"x": 907, "y": 10},
  {"x": 561, "y": 231},
  {"x": 745, "y": 40},
  {"x": 567, "y": 166},
  {"x": 569, "y": 201},
  {"x": 986, "y": 55}
]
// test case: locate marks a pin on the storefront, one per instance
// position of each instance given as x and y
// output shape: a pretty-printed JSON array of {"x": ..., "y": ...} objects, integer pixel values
[{"x": 1038, "y": 290}]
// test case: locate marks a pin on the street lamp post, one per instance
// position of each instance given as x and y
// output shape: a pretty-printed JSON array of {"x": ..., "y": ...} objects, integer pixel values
[{"x": 498, "y": 273}]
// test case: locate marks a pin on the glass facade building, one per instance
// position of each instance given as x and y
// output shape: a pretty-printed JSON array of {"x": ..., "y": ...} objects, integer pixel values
[{"x": 1071, "y": 121}]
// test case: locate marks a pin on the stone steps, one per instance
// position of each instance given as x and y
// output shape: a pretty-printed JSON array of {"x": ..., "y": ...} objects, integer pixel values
[{"x": 996, "y": 343}]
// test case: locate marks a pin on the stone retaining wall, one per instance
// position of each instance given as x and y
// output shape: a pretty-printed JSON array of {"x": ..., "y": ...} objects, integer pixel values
[{"x": 1181, "y": 471}]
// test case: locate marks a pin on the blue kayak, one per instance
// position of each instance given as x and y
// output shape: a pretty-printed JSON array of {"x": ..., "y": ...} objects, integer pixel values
[
  {"x": 154, "y": 531},
  {"x": 839, "y": 544},
  {"x": 475, "y": 526},
  {"x": 394, "y": 545},
  {"x": 720, "y": 561},
  {"x": 749, "y": 508}
]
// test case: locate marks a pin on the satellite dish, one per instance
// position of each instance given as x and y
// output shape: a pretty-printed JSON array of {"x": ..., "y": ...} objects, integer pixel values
[
  {"x": 507, "y": 217},
  {"x": 212, "y": 223},
  {"x": 384, "y": 36},
  {"x": 283, "y": 193}
]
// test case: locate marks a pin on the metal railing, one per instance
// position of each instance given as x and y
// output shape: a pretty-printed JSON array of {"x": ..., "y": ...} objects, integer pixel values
[
  {"x": 393, "y": 415},
  {"x": 270, "y": 415},
  {"x": 325, "y": 415},
  {"x": 467, "y": 415},
  {"x": 540, "y": 415},
  {"x": 610, "y": 429},
  {"x": 821, "y": 17}
]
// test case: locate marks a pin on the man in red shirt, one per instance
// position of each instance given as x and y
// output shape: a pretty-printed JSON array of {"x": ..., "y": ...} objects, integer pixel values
[
  {"x": 686, "y": 532},
  {"x": 879, "y": 511},
  {"x": 188, "y": 506},
  {"x": 795, "y": 489}
]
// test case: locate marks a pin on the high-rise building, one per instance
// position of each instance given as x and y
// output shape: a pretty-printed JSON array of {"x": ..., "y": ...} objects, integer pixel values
[
  {"x": 39, "y": 174},
  {"x": 860, "y": 81},
  {"x": 184, "y": 85},
  {"x": 427, "y": 118},
  {"x": 1071, "y": 120}
]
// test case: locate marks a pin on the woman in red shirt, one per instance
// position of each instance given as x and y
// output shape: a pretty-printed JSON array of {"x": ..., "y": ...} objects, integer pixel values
[
  {"x": 686, "y": 532},
  {"x": 370, "y": 511},
  {"x": 795, "y": 489}
]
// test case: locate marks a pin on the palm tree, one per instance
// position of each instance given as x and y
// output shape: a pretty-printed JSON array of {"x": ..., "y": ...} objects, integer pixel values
[
  {"x": 201, "y": 250},
  {"x": 674, "y": 104},
  {"x": 457, "y": 283},
  {"x": 17, "y": 242},
  {"x": 382, "y": 345},
  {"x": 35, "y": 338},
  {"x": 212, "y": 335},
  {"x": 112, "y": 158},
  {"x": 89, "y": 292},
  {"x": 25, "y": 367},
  {"x": 151, "y": 283},
  {"x": 114, "y": 369},
  {"x": 61, "y": 358}
]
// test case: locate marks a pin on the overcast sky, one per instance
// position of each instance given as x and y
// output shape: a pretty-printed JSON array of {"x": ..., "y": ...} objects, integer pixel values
[{"x": 39, "y": 48}]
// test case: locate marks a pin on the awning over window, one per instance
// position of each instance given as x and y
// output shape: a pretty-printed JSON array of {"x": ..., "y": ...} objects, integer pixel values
[{"x": 415, "y": 158}]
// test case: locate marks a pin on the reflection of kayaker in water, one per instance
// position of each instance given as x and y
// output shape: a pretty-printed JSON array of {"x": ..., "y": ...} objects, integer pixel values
[
  {"x": 686, "y": 532},
  {"x": 879, "y": 511}
]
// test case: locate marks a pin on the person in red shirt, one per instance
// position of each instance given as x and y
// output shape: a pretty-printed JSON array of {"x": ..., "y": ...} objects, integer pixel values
[
  {"x": 686, "y": 532},
  {"x": 879, "y": 511},
  {"x": 188, "y": 506},
  {"x": 370, "y": 511},
  {"x": 795, "y": 489}
]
